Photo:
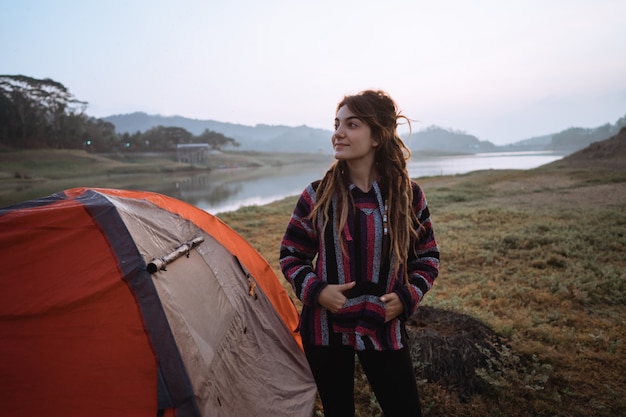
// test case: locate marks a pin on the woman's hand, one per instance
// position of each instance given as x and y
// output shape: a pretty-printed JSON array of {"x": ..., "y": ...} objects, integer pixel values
[
  {"x": 393, "y": 306},
  {"x": 332, "y": 296}
]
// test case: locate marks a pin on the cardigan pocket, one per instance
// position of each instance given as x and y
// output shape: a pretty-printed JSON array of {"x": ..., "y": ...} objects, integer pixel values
[{"x": 363, "y": 315}]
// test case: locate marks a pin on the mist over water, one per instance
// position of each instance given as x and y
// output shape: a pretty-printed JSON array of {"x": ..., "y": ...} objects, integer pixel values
[
  {"x": 451, "y": 165},
  {"x": 229, "y": 190}
]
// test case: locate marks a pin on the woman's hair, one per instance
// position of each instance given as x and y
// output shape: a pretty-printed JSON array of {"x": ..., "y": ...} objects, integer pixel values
[{"x": 378, "y": 110}]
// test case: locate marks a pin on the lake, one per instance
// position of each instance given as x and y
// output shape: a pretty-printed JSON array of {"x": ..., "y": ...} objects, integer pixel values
[{"x": 227, "y": 190}]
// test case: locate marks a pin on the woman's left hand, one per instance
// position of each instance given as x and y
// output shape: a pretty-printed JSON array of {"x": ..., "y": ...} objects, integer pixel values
[{"x": 393, "y": 306}]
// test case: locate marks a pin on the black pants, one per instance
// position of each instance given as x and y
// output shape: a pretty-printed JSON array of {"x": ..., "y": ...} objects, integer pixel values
[{"x": 390, "y": 373}]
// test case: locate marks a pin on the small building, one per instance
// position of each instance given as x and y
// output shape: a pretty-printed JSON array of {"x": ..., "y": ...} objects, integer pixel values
[{"x": 192, "y": 153}]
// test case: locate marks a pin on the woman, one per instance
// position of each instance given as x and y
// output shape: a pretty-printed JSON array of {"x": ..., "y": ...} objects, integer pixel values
[{"x": 360, "y": 254}]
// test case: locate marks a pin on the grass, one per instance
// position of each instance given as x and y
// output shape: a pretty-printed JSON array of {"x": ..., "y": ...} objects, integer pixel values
[
  {"x": 547, "y": 275},
  {"x": 30, "y": 174},
  {"x": 536, "y": 255}
]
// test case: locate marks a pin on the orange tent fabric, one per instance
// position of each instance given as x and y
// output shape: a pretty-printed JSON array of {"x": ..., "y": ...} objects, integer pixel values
[
  {"x": 253, "y": 261},
  {"x": 87, "y": 331}
]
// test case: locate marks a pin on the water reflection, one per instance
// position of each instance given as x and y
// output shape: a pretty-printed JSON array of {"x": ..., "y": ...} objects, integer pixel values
[
  {"x": 462, "y": 164},
  {"x": 226, "y": 190},
  {"x": 202, "y": 187}
]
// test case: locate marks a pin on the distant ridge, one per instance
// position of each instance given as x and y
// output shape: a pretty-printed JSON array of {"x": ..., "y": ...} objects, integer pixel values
[
  {"x": 609, "y": 153},
  {"x": 280, "y": 138},
  {"x": 437, "y": 139},
  {"x": 259, "y": 138}
]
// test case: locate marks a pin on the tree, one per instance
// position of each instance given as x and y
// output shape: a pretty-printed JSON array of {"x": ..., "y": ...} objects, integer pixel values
[
  {"x": 133, "y": 142},
  {"x": 35, "y": 111},
  {"x": 98, "y": 135},
  {"x": 215, "y": 140},
  {"x": 164, "y": 138}
]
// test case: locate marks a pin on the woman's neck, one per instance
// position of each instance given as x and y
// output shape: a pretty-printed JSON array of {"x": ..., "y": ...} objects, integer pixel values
[{"x": 362, "y": 175}]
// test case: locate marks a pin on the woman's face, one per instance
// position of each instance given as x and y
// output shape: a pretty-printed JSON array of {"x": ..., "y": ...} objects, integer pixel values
[{"x": 352, "y": 140}]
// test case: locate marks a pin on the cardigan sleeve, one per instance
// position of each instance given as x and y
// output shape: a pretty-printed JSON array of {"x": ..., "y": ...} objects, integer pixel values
[
  {"x": 423, "y": 258},
  {"x": 298, "y": 248}
]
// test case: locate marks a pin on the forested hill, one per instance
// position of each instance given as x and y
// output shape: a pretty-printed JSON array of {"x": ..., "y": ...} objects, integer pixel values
[
  {"x": 278, "y": 138},
  {"x": 42, "y": 113},
  {"x": 272, "y": 138},
  {"x": 608, "y": 153},
  {"x": 437, "y": 139},
  {"x": 260, "y": 137}
]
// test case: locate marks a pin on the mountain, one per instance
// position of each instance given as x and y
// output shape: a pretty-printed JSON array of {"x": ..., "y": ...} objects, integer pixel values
[
  {"x": 437, "y": 139},
  {"x": 433, "y": 139},
  {"x": 261, "y": 137},
  {"x": 609, "y": 153},
  {"x": 270, "y": 138},
  {"x": 532, "y": 144}
]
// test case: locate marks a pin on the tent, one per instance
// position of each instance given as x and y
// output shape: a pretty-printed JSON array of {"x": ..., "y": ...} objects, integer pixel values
[{"x": 128, "y": 303}]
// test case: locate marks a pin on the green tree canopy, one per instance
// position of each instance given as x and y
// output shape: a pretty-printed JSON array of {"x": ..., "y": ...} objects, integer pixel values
[
  {"x": 216, "y": 140},
  {"x": 34, "y": 112}
]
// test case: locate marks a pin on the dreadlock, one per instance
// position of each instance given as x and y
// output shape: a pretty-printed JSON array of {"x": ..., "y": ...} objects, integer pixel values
[{"x": 380, "y": 112}]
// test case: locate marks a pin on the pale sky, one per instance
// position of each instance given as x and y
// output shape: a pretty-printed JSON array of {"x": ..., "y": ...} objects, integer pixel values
[{"x": 500, "y": 70}]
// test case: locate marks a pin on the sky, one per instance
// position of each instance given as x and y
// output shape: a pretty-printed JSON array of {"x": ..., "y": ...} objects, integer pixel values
[{"x": 500, "y": 70}]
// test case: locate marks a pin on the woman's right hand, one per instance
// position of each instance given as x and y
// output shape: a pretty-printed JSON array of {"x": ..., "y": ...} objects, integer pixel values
[{"x": 332, "y": 296}]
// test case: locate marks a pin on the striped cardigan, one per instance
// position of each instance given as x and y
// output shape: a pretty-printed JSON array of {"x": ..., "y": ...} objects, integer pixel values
[{"x": 310, "y": 263}]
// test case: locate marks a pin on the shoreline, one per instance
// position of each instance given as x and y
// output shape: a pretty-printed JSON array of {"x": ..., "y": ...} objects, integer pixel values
[
  {"x": 27, "y": 175},
  {"x": 536, "y": 255}
]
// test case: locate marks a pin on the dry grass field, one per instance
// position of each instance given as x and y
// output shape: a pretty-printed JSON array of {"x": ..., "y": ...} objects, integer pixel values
[
  {"x": 532, "y": 283},
  {"x": 527, "y": 317},
  {"x": 30, "y": 174}
]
